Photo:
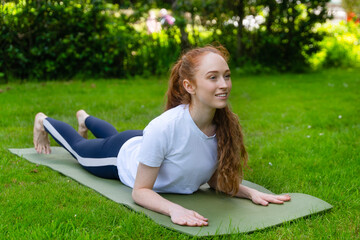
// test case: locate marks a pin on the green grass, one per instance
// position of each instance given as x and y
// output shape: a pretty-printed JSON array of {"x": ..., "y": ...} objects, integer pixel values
[{"x": 291, "y": 121}]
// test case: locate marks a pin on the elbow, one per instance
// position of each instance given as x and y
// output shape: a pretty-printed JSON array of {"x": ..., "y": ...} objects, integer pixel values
[
  {"x": 137, "y": 194},
  {"x": 134, "y": 194},
  {"x": 141, "y": 195}
]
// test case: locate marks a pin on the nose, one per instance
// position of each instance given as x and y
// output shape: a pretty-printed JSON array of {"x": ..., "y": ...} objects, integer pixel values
[{"x": 223, "y": 84}]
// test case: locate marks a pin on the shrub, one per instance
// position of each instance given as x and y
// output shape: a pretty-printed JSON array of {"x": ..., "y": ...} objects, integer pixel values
[
  {"x": 62, "y": 39},
  {"x": 50, "y": 39},
  {"x": 339, "y": 48}
]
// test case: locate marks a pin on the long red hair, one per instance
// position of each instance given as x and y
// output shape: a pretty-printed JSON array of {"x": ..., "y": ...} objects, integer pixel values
[{"x": 231, "y": 152}]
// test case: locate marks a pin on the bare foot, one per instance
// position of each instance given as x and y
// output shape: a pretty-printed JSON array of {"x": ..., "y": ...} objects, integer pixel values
[
  {"x": 41, "y": 138},
  {"x": 81, "y": 115}
]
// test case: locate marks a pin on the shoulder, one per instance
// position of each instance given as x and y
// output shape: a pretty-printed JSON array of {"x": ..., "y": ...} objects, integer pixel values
[
  {"x": 174, "y": 113},
  {"x": 168, "y": 119},
  {"x": 159, "y": 136}
]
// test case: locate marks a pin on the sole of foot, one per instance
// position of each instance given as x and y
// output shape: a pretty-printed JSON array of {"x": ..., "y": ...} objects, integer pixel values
[
  {"x": 41, "y": 138},
  {"x": 81, "y": 116}
]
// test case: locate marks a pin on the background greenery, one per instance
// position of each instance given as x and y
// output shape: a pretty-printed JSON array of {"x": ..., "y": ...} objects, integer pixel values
[
  {"x": 302, "y": 130},
  {"x": 302, "y": 133},
  {"x": 339, "y": 48},
  {"x": 63, "y": 39}
]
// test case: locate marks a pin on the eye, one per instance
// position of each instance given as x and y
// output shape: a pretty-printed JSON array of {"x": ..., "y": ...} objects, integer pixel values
[
  {"x": 227, "y": 76},
  {"x": 212, "y": 77}
]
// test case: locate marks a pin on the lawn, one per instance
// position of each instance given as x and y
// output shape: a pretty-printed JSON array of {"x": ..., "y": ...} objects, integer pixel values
[{"x": 302, "y": 134}]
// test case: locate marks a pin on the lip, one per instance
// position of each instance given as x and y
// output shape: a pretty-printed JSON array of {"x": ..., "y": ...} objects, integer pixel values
[{"x": 222, "y": 95}]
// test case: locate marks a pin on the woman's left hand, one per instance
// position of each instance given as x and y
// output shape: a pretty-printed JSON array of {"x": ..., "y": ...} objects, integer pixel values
[
  {"x": 256, "y": 196},
  {"x": 265, "y": 198}
]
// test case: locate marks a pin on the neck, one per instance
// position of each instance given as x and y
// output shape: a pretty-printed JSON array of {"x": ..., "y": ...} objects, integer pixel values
[{"x": 203, "y": 118}]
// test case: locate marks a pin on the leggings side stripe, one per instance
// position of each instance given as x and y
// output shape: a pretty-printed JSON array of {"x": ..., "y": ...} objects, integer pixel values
[{"x": 86, "y": 162}]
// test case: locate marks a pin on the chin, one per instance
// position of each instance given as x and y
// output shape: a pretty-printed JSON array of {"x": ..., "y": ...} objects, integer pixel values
[{"x": 221, "y": 106}]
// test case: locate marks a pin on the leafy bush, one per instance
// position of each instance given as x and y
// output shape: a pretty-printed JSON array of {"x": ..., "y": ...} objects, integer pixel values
[
  {"x": 61, "y": 39},
  {"x": 51, "y": 39},
  {"x": 259, "y": 34},
  {"x": 152, "y": 54},
  {"x": 340, "y": 47}
]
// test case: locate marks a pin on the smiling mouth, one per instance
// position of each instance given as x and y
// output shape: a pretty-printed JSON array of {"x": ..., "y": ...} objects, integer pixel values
[{"x": 221, "y": 95}]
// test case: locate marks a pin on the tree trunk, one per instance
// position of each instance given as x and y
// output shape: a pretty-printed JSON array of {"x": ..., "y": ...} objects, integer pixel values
[
  {"x": 240, "y": 10},
  {"x": 271, "y": 17},
  {"x": 181, "y": 23}
]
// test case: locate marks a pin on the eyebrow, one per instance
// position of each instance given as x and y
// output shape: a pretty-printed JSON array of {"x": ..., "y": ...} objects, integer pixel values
[{"x": 228, "y": 70}]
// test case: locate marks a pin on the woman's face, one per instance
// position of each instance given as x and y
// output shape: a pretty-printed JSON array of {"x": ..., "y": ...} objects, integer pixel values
[{"x": 212, "y": 82}]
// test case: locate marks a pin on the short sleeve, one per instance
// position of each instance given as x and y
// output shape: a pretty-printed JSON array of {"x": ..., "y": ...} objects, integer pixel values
[{"x": 153, "y": 149}]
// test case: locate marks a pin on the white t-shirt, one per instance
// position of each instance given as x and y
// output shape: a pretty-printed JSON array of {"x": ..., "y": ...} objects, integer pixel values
[{"x": 186, "y": 156}]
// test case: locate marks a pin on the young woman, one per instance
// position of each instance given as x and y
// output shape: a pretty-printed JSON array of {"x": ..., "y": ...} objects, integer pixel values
[{"x": 196, "y": 140}]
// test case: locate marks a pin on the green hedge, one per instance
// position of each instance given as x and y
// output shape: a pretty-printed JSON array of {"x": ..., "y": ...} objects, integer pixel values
[
  {"x": 64, "y": 39},
  {"x": 60, "y": 39}
]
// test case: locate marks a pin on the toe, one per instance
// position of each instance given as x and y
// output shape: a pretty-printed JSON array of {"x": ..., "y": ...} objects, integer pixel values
[{"x": 48, "y": 150}]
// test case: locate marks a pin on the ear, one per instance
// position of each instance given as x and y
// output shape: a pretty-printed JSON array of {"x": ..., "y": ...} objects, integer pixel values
[{"x": 189, "y": 86}]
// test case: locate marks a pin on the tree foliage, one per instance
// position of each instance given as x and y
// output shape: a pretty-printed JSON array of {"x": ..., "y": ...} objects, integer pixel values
[
  {"x": 278, "y": 42},
  {"x": 351, "y": 6},
  {"x": 43, "y": 39},
  {"x": 62, "y": 38}
]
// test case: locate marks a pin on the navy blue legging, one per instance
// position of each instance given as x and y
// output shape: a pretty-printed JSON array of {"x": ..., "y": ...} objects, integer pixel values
[{"x": 98, "y": 156}]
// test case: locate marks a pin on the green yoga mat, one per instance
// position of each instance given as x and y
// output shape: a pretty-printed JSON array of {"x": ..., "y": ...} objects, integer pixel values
[{"x": 226, "y": 215}]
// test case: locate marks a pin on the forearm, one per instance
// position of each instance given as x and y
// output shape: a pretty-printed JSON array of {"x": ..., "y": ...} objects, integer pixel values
[
  {"x": 144, "y": 196},
  {"x": 153, "y": 201}
]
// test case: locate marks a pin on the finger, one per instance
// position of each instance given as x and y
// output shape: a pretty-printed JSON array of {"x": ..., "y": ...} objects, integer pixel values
[
  {"x": 273, "y": 199},
  {"x": 286, "y": 197},
  {"x": 263, "y": 202},
  {"x": 188, "y": 221},
  {"x": 282, "y": 197},
  {"x": 194, "y": 221},
  {"x": 200, "y": 217},
  {"x": 202, "y": 224}
]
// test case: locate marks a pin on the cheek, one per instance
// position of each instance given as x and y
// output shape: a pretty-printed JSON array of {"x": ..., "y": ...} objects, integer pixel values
[
  {"x": 207, "y": 87},
  {"x": 229, "y": 85}
]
